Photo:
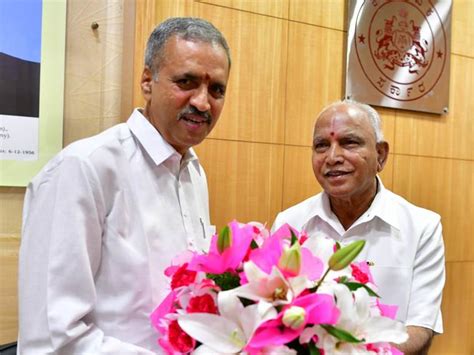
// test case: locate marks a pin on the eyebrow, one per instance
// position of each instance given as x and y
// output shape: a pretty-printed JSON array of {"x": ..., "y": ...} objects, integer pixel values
[
  {"x": 344, "y": 136},
  {"x": 185, "y": 75},
  {"x": 351, "y": 136},
  {"x": 194, "y": 77}
]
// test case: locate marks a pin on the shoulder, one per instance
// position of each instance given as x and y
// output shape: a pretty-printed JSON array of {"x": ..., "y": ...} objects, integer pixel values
[
  {"x": 108, "y": 140},
  {"x": 88, "y": 154},
  {"x": 409, "y": 212},
  {"x": 297, "y": 215}
]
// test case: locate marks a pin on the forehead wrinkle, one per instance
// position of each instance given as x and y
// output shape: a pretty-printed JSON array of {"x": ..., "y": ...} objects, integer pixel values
[{"x": 352, "y": 117}]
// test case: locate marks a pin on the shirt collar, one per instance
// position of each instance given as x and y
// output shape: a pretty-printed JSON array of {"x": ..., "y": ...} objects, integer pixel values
[
  {"x": 379, "y": 208},
  {"x": 153, "y": 142}
]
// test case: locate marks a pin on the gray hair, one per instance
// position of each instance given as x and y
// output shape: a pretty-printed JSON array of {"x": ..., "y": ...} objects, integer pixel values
[
  {"x": 372, "y": 114},
  {"x": 187, "y": 28}
]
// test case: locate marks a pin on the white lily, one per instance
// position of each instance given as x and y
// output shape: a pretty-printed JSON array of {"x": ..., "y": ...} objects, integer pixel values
[
  {"x": 358, "y": 318},
  {"x": 274, "y": 287},
  {"x": 229, "y": 332}
]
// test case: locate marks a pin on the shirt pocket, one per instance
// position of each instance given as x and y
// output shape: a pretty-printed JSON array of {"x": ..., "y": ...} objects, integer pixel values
[{"x": 204, "y": 235}]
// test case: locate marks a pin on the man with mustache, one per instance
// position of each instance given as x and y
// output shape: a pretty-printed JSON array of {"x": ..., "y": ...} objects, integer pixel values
[
  {"x": 104, "y": 217},
  {"x": 404, "y": 242}
]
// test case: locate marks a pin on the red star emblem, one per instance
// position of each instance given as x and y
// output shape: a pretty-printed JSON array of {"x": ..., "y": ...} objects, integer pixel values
[
  {"x": 439, "y": 54},
  {"x": 361, "y": 39}
]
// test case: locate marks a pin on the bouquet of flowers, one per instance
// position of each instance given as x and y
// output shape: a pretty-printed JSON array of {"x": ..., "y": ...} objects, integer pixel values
[{"x": 283, "y": 293}]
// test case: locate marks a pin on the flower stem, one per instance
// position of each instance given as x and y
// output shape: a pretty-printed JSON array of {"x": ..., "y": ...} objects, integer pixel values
[{"x": 315, "y": 288}]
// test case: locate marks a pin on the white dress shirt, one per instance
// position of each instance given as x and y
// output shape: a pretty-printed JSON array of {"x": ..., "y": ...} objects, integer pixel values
[
  {"x": 403, "y": 241},
  {"x": 101, "y": 222}
]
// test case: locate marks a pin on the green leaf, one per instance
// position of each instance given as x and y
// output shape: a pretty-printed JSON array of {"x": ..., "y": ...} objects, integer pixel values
[
  {"x": 226, "y": 281},
  {"x": 341, "y": 334},
  {"x": 253, "y": 244},
  {"x": 224, "y": 240},
  {"x": 338, "y": 246},
  {"x": 355, "y": 285},
  {"x": 344, "y": 256},
  {"x": 294, "y": 238},
  {"x": 313, "y": 350}
]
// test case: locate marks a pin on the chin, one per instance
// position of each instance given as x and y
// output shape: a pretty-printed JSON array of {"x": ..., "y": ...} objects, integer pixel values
[{"x": 338, "y": 191}]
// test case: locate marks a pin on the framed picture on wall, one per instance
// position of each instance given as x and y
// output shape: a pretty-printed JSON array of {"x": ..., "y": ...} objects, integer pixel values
[{"x": 32, "y": 48}]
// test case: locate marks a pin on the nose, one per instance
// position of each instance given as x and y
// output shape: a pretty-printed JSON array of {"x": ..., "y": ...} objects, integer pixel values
[
  {"x": 200, "y": 99},
  {"x": 335, "y": 154}
]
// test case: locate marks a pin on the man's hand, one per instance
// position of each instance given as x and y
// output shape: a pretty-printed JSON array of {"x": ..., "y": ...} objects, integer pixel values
[{"x": 419, "y": 341}]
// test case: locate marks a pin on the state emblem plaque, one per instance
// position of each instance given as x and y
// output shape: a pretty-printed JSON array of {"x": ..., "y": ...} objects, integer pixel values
[{"x": 399, "y": 53}]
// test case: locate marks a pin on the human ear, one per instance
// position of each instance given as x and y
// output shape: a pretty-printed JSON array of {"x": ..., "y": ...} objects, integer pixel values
[
  {"x": 382, "y": 155},
  {"x": 146, "y": 83}
]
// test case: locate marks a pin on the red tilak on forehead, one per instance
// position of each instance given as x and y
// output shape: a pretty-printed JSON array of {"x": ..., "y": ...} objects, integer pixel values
[
  {"x": 333, "y": 125},
  {"x": 332, "y": 133}
]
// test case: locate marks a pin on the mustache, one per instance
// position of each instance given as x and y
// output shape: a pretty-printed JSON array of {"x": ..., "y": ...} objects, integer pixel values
[{"x": 191, "y": 110}]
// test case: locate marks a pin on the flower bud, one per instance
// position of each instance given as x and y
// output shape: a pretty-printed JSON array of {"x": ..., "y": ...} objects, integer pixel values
[
  {"x": 294, "y": 317},
  {"x": 224, "y": 240},
  {"x": 344, "y": 256},
  {"x": 290, "y": 260}
]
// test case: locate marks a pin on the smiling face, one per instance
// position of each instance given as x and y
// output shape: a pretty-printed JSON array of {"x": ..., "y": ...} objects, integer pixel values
[
  {"x": 346, "y": 157},
  {"x": 185, "y": 98}
]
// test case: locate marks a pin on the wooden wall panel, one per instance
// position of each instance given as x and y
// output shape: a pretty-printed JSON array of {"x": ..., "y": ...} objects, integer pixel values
[
  {"x": 276, "y": 8},
  {"x": 254, "y": 109},
  {"x": 245, "y": 180},
  {"x": 445, "y": 186},
  {"x": 462, "y": 35},
  {"x": 447, "y": 136},
  {"x": 388, "y": 117},
  {"x": 11, "y": 210},
  {"x": 458, "y": 311},
  {"x": 315, "y": 78},
  {"x": 93, "y": 82},
  {"x": 8, "y": 288},
  {"x": 329, "y": 13},
  {"x": 299, "y": 182},
  {"x": 10, "y": 223}
]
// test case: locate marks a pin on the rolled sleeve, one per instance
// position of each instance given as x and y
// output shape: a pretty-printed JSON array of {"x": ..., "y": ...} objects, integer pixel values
[{"x": 428, "y": 280}]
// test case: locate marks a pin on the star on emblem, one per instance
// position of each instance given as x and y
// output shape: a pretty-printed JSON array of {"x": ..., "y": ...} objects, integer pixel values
[
  {"x": 439, "y": 54},
  {"x": 361, "y": 39}
]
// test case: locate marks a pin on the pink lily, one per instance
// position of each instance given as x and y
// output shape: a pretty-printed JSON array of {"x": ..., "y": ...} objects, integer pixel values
[
  {"x": 273, "y": 251},
  {"x": 166, "y": 307},
  {"x": 229, "y": 259},
  {"x": 309, "y": 309}
]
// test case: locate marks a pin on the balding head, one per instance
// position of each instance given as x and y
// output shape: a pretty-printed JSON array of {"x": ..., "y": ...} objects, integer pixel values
[{"x": 366, "y": 110}]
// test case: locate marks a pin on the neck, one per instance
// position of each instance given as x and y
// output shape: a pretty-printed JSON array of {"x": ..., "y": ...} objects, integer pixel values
[{"x": 350, "y": 209}]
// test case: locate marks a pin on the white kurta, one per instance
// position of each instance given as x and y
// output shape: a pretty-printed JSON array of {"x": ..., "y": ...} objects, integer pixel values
[
  {"x": 403, "y": 241},
  {"x": 101, "y": 221}
]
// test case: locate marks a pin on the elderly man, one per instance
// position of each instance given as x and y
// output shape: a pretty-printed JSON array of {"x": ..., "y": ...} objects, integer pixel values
[
  {"x": 105, "y": 216},
  {"x": 403, "y": 241}
]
